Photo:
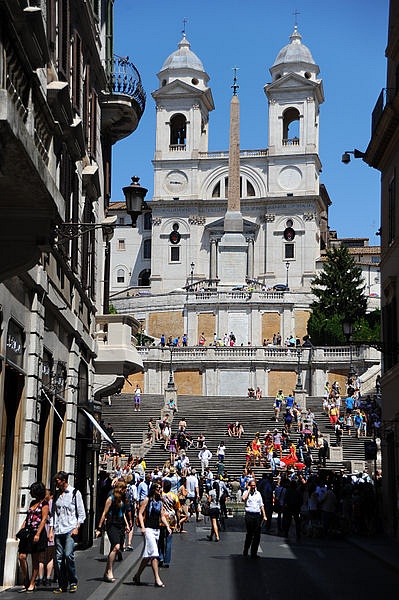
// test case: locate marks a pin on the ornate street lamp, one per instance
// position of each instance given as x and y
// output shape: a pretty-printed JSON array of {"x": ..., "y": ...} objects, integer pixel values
[
  {"x": 192, "y": 274},
  {"x": 171, "y": 382},
  {"x": 134, "y": 196},
  {"x": 347, "y": 329},
  {"x": 299, "y": 373},
  {"x": 287, "y": 266}
]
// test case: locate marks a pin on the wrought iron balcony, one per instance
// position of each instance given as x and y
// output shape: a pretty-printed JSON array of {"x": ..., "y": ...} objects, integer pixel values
[
  {"x": 123, "y": 100},
  {"x": 386, "y": 97}
]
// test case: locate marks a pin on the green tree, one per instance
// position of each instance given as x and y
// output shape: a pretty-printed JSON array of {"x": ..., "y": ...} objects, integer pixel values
[{"x": 340, "y": 296}]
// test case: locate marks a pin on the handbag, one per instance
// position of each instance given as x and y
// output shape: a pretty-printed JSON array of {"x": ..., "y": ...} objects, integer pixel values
[
  {"x": 205, "y": 506},
  {"x": 24, "y": 533}
]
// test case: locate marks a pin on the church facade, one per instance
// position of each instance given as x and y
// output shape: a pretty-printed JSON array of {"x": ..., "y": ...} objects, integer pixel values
[{"x": 236, "y": 236}]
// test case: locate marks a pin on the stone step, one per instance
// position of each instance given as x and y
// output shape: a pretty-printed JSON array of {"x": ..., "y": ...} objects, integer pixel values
[{"x": 211, "y": 416}]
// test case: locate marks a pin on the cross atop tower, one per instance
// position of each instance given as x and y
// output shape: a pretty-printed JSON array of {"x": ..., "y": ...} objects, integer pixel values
[
  {"x": 185, "y": 21},
  {"x": 235, "y": 85},
  {"x": 296, "y": 13}
]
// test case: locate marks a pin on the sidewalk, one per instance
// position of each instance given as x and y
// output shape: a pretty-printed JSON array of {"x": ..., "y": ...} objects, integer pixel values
[{"x": 90, "y": 565}]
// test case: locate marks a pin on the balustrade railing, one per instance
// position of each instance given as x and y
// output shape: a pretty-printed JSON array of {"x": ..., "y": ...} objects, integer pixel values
[
  {"x": 225, "y": 153},
  {"x": 261, "y": 354}
]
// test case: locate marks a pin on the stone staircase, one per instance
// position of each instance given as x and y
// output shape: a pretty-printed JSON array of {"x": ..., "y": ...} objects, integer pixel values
[{"x": 210, "y": 416}]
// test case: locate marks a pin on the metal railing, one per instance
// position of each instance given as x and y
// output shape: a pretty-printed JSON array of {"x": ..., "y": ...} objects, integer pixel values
[
  {"x": 124, "y": 78},
  {"x": 386, "y": 96}
]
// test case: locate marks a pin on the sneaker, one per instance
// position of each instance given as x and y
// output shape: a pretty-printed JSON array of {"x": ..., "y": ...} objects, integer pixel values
[
  {"x": 59, "y": 590},
  {"x": 73, "y": 588}
]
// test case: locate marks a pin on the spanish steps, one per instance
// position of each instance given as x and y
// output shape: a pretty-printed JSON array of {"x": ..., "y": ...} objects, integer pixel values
[{"x": 210, "y": 416}]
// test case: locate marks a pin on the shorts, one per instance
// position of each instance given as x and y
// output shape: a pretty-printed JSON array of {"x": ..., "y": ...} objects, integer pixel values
[
  {"x": 151, "y": 543},
  {"x": 214, "y": 513}
]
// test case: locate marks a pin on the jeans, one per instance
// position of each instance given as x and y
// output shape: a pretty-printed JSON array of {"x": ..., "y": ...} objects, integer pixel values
[
  {"x": 65, "y": 559},
  {"x": 165, "y": 546}
]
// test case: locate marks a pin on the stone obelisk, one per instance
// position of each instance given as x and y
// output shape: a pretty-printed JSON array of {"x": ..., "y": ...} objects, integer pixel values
[{"x": 232, "y": 246}]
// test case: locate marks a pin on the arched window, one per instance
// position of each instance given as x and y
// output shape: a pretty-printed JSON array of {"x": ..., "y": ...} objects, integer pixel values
[
  {"x": 147, "y": 248},
  {"x": 291, "y": 127},
  {"x": 120, "y": 276},
  {"x": 216, "y": 190},
  {"x": 83, "y": 384},
  {"x": 250, "y": 189},
  {"x": 147, "y": 221},
  {"x": 178, "y": 132},
  {"x": 144, "y": 278},
  {"x": 220, "y": 189}
]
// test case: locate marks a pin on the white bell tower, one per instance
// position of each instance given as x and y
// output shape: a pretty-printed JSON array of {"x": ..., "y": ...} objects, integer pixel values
[
  {"x": 183, "y": 102},
  {"x": 294, "y": 95}
]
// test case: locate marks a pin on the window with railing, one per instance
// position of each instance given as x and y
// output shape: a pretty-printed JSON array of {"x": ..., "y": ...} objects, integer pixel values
[
  {"x": 64, "y": 37},
  {"x": 147, "y": 248},
  {"x": 392, "y": 210},
  {"x": 178, "y": 132},
  {"x": 291, "y": 127},
  {"x": 390, "y": 329}
]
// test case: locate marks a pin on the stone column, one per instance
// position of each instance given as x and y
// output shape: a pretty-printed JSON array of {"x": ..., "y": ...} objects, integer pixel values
[{"x": 300, "y": 397}]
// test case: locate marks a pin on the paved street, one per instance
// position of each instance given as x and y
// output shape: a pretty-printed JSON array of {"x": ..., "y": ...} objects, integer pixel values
[
  {"x": 313, "y": 568},
  {"x": 327, "y": 569}
]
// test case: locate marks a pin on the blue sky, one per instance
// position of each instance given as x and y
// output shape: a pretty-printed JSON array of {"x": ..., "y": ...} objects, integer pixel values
[{"x": 347, "y": 39}]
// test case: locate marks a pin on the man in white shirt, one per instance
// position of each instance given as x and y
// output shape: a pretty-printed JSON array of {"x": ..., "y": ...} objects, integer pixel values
[
  {"x": 192, "y": 486},
  {"x": 254, "y": 517},
  {"x": 205, "y": 456},
  {"x": 67, "y": 515}
]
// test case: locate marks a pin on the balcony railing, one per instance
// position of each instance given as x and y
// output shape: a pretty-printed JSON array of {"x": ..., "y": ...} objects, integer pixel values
[
  {"x": 386, "y": 96},
  {"x": 291, "y": 141},
  {"x": 124, "y": 78}
]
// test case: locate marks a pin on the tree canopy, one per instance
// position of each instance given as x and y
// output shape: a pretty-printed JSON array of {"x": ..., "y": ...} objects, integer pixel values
[{"x": 339, "y": 290}]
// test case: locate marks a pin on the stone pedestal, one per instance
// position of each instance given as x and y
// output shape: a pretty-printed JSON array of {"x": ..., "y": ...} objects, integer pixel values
[
  {"x": 335, "y": 453},
  {"x": 170, "y": 394},
  {"x": 300, "y": 398},
  {"x": 232, "y": 259}
]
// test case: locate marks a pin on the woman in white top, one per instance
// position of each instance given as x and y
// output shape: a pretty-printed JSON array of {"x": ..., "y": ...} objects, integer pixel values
[
  {"x": 221, "y": 452},
  {"x": 214, "y": 510}
]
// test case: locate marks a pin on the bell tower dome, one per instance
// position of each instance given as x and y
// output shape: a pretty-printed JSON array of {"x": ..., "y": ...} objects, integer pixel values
[{"x": 183, "y": 102}]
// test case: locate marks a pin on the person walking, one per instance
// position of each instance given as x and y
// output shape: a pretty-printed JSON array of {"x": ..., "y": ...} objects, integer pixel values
[
  {"x": 193, "y": 494},
  {"x": 266, "y": 490},
  {"x": 205, "y": 456},
  {"x": 221, "y": 451},
  {"x": 137, "y": 397},
  {"x": 214, "y": 510},
  {"x": 35, "y": 542},
  {"x": 67, "y": 515},
  {"x": 278, "y": 402},
  {"x": 118, "y": 519},
  {"x": 292, "y": 509},
  {"x": 254, "y": 516},
  {"x": 171, "y": 505},
  {"x": 151, "y": 513},
  {"x": 323, "y": 451}
]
